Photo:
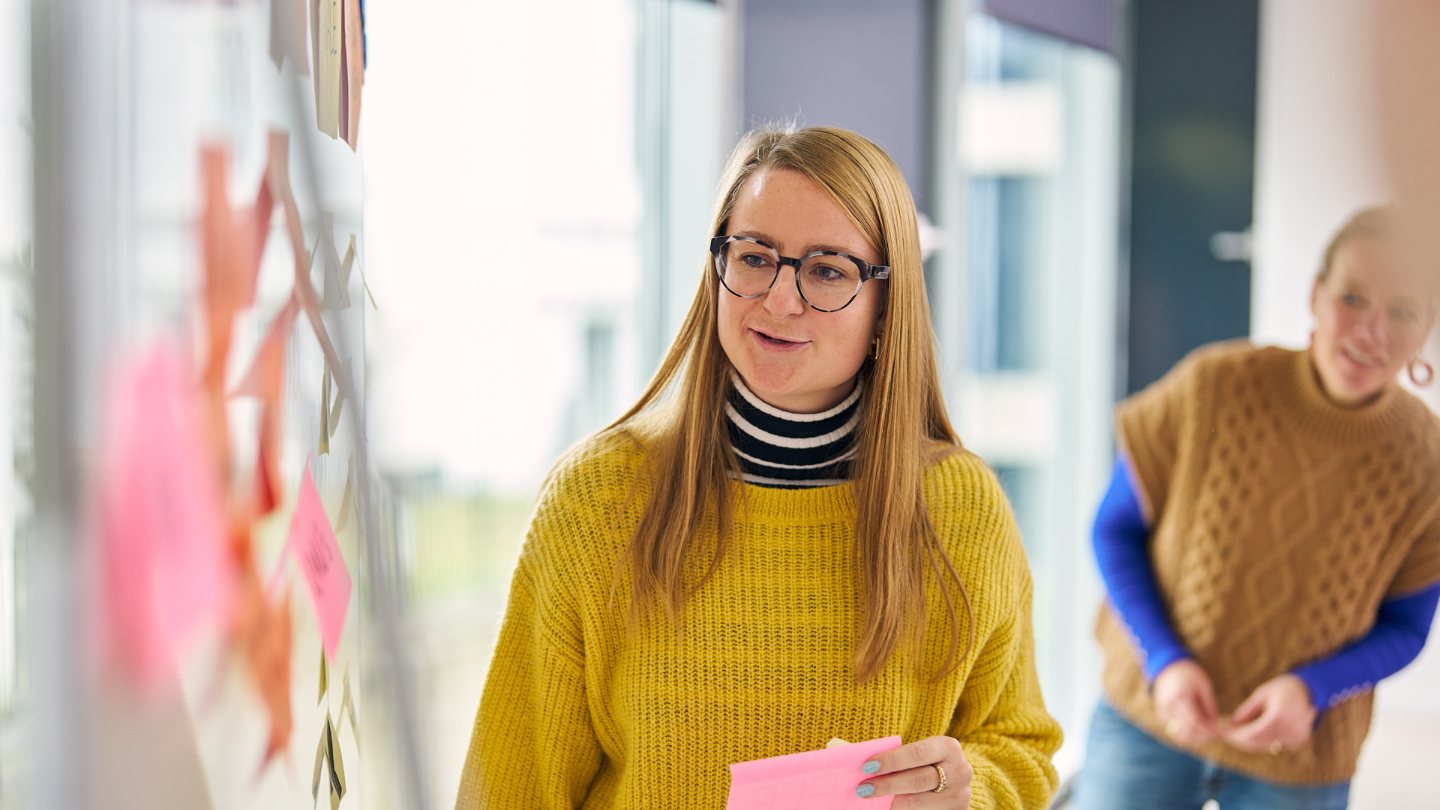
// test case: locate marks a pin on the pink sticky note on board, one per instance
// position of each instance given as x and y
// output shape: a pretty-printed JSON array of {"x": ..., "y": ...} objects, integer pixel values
[
  {"x": 313, "y": 542},
  {"x": 810, "y": 780},
  {"x": 163, "y": 547}
]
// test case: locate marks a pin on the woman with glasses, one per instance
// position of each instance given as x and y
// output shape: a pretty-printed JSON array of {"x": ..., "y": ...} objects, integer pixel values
[
  {"x": 1270, "y": 545},
  {"x": 781, "y": 543}
]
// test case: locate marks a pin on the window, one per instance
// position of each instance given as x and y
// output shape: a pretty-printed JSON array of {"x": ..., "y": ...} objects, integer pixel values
[{"x": 1035, "y": 134}]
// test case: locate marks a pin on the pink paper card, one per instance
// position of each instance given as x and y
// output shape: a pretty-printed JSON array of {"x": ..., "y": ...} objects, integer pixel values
[
  {"x": 810, "y": 780},
  {"x": 313, "y": 542},
  {"x": 164, "y": 552}
]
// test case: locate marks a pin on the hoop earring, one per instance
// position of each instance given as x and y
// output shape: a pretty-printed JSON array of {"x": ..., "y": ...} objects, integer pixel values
[
  {"x": 875, "y": 349},
  {"x": 1423, "y": 363}
]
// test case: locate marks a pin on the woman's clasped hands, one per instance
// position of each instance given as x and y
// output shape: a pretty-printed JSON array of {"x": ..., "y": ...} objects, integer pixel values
[
  {"x": 930, "y": 774},
  {"x": 1276, "y": 717}
]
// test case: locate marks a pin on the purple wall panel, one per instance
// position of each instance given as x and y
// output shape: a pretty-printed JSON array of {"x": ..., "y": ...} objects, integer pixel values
[{"x": 1086, "y": 22}]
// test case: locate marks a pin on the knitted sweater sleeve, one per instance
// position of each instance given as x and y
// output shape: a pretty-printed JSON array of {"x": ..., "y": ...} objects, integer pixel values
[
  {"x": 1401, "y": 627},
  {"x": 1010, "y": 747},
  {"x": 1005, "y": 732},
  {"x": 1120, "y": 538},
  {"x": 533, "y": 744}
]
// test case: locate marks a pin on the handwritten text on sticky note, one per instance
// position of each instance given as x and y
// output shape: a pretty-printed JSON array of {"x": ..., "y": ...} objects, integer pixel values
[
  {"x": 313, "y": 542},
  {"x": 811, "y": 780}
]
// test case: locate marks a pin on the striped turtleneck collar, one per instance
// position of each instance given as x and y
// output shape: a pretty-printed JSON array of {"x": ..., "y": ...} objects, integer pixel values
[{"x": 791, "y": 450}]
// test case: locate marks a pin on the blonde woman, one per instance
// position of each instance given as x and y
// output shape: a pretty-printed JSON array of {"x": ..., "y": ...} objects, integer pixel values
[
  {"x": 782, "y": 542},
  {"x": 1270, "y": 545}
]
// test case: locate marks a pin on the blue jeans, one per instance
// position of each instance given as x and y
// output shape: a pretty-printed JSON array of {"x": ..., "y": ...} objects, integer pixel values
[{"x": 1127, "y": 769}]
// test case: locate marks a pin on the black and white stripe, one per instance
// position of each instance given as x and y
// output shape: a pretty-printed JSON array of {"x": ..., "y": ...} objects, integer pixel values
[{"x": 791, "y": 450}]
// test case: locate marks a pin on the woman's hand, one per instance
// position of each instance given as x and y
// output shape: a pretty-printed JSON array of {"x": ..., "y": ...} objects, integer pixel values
[
  {"x": 909, "y": 774},
  {"x": 1277, "y": 715},
  {"x": 1185, "y": 702}
]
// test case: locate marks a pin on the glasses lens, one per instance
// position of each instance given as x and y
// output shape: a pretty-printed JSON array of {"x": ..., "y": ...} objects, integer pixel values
[
  {"x": 829, "y": 282},
  {"x": 748, "y": 268}
]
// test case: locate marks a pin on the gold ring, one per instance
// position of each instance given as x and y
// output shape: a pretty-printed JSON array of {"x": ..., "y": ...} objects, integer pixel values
[
  {"x": 1275, "y": 748},
  {"x": 940, "y": 771},
  {"x": 1173, "y": 727}
]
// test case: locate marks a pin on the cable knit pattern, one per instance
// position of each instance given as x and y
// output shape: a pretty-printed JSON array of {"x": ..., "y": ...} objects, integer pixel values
[
  {"x": 1281, "y": 521},
  {"x": 578, "y": 711}
]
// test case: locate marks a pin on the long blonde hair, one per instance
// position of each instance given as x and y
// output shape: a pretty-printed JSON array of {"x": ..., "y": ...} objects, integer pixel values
[{"x": 903, "y": 424}]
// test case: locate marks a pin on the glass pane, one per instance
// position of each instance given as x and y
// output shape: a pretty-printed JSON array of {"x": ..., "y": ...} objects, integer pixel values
[
  {"x": 492, "y": 362},
  {"x": 491, "y": 365},
  {"x": 1038, "y": 140},
  {"x": 16, "y": 377}
]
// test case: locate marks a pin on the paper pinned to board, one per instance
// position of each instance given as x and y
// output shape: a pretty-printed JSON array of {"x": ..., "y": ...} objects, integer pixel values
[
  {"x": 279, "y": 178},
  {"x": 335, "y": 410},
  {"x": 337, "y": 407},
  {"x": 335, "y": 295},
  {"x": 347, "y": 708},
  {"x": 325, "y": 44},
  {"x": 266, "y": 380},
  {"x": 813, "y": 780},
  {"x": 347, "y": 501},
  {"x": 287, "y": 35},
  {"x": 347, "y": 263},
  {"x": 337, "y": 43},
  {"x": 324, "y": 441},
  {"x": 353, "y": 249},
  {"x": 262, "y": 632},
  {"x": 328, "y": 751},
  {"x": 164, "y": 557},
  {"x": 313, "y": 542},
  {"x": 233, "y": 242},
  {"x": 332, "y": 406},
  {"x": 324, "y": 677},
  {"x": 352, "y": 71}
]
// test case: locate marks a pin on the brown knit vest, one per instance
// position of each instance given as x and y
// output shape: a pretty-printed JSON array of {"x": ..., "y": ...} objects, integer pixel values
[{"x": 1280, "y": 523}]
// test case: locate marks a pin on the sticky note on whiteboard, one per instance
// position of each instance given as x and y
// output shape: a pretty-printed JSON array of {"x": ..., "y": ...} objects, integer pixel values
[
  {"x": 811, "y": 780},
  {"x": 313, "y": 542}
]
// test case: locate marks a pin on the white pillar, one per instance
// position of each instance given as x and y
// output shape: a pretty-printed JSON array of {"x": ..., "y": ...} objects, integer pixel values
[{"x": 1317, "y": 152}]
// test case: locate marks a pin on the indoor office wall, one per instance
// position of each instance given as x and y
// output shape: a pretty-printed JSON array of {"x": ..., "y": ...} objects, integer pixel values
[
  {"x": 1318, "y": 154},
  {"x": 861, "y": 64},
  {"x": 1191, "y": 178}
]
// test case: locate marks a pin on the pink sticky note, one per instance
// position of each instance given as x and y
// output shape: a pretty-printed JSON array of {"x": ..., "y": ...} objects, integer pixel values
[
  {"x": 313, "y": 542},
  {"x": 163, "y": 549},
  {"x": 810, "y": 780}
]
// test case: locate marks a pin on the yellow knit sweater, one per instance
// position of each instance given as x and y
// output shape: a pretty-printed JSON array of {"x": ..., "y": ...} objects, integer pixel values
[{"x": 579, "y": 712}]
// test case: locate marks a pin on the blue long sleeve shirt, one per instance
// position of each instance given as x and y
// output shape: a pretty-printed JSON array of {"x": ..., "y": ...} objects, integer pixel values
[{"x": 1121, "y": 552}]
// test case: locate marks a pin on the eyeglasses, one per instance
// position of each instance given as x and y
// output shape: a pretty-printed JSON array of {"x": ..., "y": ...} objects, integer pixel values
[{"x": 828, "y": 280}]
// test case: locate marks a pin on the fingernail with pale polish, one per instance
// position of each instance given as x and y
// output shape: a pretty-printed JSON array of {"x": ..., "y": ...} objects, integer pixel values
[
  {"x": 871, "y": 767},
  {"x": 864, "y": 791}
]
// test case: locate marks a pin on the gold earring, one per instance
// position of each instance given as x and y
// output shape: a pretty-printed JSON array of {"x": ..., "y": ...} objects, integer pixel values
[{"x": 875, "y": 349}]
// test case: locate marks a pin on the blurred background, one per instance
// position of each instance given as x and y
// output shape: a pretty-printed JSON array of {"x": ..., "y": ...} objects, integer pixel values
[{"x": 1104, "y": 185}]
